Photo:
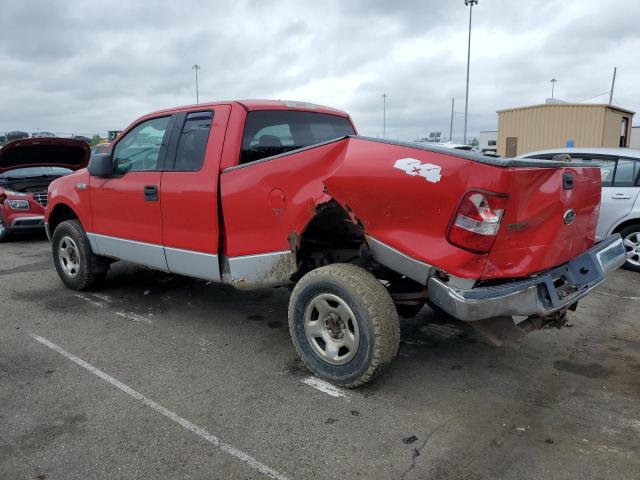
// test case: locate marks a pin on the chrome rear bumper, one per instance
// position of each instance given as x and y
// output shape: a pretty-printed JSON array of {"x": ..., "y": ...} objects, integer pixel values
[{"x": 542, "y": 295}]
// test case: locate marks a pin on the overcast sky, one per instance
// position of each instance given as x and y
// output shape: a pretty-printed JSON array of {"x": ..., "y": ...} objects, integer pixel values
[{"x": 88, "y": 67}]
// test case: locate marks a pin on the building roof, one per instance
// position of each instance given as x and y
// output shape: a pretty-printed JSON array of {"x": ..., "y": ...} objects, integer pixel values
[{"x": 567, "y": 104}]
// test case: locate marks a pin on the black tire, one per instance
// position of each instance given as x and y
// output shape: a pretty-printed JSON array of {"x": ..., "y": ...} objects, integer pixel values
[
  {"x": 377, "y": 324},
  {"x": 632, "y": 232},
  {"x": 4, "y": 231},
  {"x": 409, "y": 311},
  {"x": 91, "y": 269}
]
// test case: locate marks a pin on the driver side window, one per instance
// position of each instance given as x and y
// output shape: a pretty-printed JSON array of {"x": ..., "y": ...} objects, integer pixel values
[{"x": 139, "y": 150}]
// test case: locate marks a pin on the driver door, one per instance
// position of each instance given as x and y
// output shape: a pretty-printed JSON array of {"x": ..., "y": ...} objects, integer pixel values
[{"x": 127, "y": 220}]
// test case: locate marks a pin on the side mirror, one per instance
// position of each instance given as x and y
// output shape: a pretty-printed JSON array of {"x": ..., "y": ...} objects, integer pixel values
[{"x": 101, "y": 166}]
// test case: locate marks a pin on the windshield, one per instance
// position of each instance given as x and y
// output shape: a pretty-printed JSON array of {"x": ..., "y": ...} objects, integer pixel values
[{"x": 35, "y": 171}]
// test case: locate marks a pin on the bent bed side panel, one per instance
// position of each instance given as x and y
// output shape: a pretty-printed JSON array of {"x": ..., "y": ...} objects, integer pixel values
[{"x": 405, "y": 197}]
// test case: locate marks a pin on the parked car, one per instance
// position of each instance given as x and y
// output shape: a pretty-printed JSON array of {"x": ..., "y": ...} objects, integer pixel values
[
  {"x": 42, "y": 135},
  {"x": 16, "y": 135},
  {"x": 453, "y": 145},
  {"x": 99, "y": 148},
  {"x": 620, "y": 202},
  {"x": 268, "y": 193},
  {"x": 27, "y": 167}
]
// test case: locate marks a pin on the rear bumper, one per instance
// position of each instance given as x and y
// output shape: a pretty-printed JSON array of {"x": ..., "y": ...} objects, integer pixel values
[{"x": 542, "y": 295}]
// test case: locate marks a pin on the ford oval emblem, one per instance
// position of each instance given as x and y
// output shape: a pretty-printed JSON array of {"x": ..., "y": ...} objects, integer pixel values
[{"x": 569, "y": 216}]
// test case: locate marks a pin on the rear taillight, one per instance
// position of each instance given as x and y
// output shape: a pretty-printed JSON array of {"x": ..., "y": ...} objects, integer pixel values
[{"x": 477, "y": 221}]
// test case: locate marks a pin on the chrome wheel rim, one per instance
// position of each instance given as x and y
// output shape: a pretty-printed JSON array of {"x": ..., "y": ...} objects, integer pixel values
[
  {"x": 69, "y": 257},
  {"x": 331, "y": 329},
  {"x": 2, "y": 228},
  {"x": 632, "y": 244}
]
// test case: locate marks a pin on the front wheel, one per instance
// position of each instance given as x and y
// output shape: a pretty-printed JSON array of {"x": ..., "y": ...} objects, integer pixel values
[
  {"x": 77, "y": 266},
  {"x": 4, "y": 232},
  {"x": 631, "y": 239},
  {"x": 344, "y": 324}
]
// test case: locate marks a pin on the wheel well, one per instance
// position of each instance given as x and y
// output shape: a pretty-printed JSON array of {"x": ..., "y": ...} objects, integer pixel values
[
  {"x": 61, "y": 213},
  {"x": 333, "y": 237},
  {"x": 330, "y": 237},
  {"x": 633, "y": 221}
]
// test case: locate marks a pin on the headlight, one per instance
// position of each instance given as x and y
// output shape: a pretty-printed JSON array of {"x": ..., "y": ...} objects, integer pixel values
[{"x": 19, "y": 204}]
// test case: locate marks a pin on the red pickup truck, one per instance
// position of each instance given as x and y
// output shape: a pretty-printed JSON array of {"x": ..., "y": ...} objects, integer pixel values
[{"x": 270, "y": 193}]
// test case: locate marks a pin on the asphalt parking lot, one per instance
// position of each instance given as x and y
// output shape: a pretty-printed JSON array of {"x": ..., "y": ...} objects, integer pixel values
[{"x": 159, "y": 376}]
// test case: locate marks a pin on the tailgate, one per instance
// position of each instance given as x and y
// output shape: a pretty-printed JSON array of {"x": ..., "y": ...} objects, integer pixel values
[{"x": 549, "y": 219}]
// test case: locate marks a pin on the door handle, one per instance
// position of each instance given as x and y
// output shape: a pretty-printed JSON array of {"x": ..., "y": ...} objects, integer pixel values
[
  {"x": 151, "y": 193},
  {"x": 620, "y": 196}
]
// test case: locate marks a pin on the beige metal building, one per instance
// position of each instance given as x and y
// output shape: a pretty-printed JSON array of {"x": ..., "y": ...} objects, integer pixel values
[{"x": 558, "y": 125}]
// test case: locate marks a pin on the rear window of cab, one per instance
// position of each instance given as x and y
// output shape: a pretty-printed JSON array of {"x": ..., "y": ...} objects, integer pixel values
[{"x": 273, "y": 132}]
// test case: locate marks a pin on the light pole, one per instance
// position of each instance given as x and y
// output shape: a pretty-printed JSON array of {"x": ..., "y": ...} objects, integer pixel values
[
  {"x": 453, "y": 101},
  {"x": 470, "y": 4},
  {"x": 384, "y": 115},
  {"x": 553, "y": 85},
  {"x": 196, "y": 67}
]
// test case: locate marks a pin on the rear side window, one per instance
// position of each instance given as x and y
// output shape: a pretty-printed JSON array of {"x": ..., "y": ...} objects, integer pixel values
[
  {"x": 273, "y": 132},
  {"x": 193, "y": 141},
  {"x": 607, "y": 165},
  {"x": 626, "y": 172},
  {"x": 607, "y": 169}
]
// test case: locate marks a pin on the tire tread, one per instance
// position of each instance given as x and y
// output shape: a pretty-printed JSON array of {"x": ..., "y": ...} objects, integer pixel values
[
  {"x": 377, "y": 301},
  {"x": 94, "y": 270}
]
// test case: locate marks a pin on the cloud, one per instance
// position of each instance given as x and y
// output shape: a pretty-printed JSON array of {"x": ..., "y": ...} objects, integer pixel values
[{"x": 88, "y": 67}]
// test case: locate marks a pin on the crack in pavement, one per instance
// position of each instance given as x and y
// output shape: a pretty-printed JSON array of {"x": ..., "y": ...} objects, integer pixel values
[{"x": 416, "y": 452}]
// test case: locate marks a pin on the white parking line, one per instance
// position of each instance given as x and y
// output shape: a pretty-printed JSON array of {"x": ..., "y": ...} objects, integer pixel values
[
  {"x": 201, "y": 432},
  {"x": 133, "y": 317},
  {"x": 91, "y": 301},
  {"x": 102, "y": 296},
  {"x": 618, "y": 296},
  {"x": 326, "y": 387}
]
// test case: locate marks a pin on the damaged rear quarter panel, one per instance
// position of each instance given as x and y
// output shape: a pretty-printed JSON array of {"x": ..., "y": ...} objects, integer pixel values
[{"x": 410, "y": 212}]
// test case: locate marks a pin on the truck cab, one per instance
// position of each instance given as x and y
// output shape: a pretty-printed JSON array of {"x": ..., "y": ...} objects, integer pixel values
[{"x": 159, "y": 203}]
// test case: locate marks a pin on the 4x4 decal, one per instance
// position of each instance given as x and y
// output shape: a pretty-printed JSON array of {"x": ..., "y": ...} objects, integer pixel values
[{"x": 414, "y": 167}]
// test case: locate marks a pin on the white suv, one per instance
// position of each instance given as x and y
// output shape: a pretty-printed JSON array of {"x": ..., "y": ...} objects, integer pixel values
[{"x": 620, "y": 202}]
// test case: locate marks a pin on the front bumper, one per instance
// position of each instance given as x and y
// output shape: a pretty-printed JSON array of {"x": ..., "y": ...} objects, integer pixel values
[
  {"x": 26, "y": 223},
  {"x": 541, "y": 296}
]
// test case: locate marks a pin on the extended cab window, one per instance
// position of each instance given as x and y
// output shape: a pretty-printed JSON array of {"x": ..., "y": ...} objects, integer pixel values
[
  {"x": 273, "y": 132},
  {"x": 139, "y": 150},
  {"x": 193, "y": 141}
]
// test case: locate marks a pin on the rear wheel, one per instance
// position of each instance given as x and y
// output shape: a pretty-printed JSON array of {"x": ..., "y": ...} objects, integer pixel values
[
  {"x": 631, "y": 238},
  {"x": 344, "y": 324},
  {"x": 77, "y": 266}
]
